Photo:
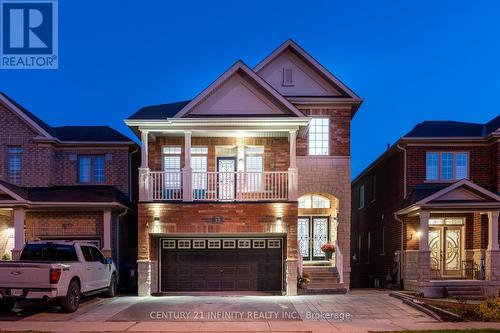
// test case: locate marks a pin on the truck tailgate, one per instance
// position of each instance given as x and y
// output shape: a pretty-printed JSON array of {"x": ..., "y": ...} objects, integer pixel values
[{"x": 24, "y": 275}]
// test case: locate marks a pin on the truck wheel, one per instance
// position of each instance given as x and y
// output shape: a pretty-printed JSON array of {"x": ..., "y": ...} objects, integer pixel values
[
  {"x": 7, "y": 304},
  {"x": 71, "y": 301},
  {"x": 111, "y": 292}
]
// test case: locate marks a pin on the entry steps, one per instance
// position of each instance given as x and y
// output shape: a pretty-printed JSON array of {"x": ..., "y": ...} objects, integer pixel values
[
  {"x": 324, "y": 280},
  {"x": 465, "y": 292}
]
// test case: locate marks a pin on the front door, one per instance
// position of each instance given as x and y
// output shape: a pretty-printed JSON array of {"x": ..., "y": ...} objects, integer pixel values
[
  {"x": 312, "y": 233},
  {"x": 445, "y": 245},
  {"x": 226, "y": 178}
]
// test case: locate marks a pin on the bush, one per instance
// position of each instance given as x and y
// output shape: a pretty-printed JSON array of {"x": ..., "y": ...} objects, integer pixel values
[
  {"x": 6, "y": 256},
  {"x": 490, "y": 310}
]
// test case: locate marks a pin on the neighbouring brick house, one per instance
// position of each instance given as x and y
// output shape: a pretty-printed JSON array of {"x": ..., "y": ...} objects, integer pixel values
[
  {"x": 241, "y": 185},
  {"x": 425, "y": 213},
  {"x": 65, "y": 183}
]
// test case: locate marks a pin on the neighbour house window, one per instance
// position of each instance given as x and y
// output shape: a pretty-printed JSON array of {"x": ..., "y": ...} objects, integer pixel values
[
  {"x": 199, "y": 164},
  {"x": 254, "y": 166},
  {"x": 319, "y": 143},
  {"x": 14, "y": 164},
  {"x": 447, "y": 166},
  {"x": 374, "y": 187},
  {"x": 172, "y": 166},
  {"x": 361, "y": 196},
  {"x": 91, "y": 169},
  {"x": 368, "y": 241}
]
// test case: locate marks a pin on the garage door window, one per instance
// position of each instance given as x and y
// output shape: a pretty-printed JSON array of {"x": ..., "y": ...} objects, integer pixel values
[
  {"x": 273, "y": 243},
  {"x": 214, "y": 244},
  {"x": 229, "y": 244},
  {"x": 184, "y": 244},
  {"x": 244, "y": 244},
  {"x": 259, "y": 244},
  {"x": 199, "y": 244},
  {"x": 168, "y": 244}
]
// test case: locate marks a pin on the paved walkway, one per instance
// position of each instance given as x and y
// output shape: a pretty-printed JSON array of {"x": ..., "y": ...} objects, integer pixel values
[{"x": 358, "y": 311}]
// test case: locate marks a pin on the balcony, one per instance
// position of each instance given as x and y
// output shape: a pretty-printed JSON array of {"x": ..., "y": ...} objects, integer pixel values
[{"x": 217, "y": 186}]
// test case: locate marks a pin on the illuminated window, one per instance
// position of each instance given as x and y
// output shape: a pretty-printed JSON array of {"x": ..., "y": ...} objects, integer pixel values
[
  {"x": 254, "y": 164},
  {"x": 313, "y": 201},
  {"x": 172, "y": 167},
  {"x": 319, "y": 137}
]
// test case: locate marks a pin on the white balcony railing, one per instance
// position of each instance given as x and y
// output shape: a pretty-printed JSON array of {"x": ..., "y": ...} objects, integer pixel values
[{"x": 216, "y": 186}]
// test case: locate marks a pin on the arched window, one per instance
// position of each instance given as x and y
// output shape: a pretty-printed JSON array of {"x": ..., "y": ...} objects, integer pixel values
[{"x": 314, "y": 201}]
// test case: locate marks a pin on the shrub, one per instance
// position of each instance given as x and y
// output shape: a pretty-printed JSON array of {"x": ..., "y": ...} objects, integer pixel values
[
  {"x": 6, "y": 256},
  {"x": 490, "y": 309}
]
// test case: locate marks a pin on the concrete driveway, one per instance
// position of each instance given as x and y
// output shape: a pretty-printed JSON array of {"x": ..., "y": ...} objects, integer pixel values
[{"x": 360, "y": 310}]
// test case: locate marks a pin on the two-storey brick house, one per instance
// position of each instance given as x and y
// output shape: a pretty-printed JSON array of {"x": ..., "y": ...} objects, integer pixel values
[
  {"x": 425, "y": 213},
  {"x": 241, "y": 184},
  {"x": 64, "y": 183}
]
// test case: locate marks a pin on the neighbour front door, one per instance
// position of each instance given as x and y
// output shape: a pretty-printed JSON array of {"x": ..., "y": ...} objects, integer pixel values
[
  {"x": 312, "y": 233},
  {"x": 226, "y": 178},
  {"x": 445, "y": 244}
]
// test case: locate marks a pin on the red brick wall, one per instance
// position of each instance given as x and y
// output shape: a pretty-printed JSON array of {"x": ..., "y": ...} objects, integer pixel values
[
  {"x": 376, "y": 218},
  {"x": 340, "y": 130},
  {"x": 276, "y": 150},
  {"x": 480, "y": 164},
  {"x": 197, "y": 218},
  {"x": 45, "y": 164}
]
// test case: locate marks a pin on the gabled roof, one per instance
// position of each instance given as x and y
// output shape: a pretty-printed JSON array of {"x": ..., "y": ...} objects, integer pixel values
[
  {"x": 65, "y": 133},
  {"x": 294, "y": 47},
  {"x": 239, "y": 66},
  {"x": 453, "y": 129},
  {"x": 462, "y": 194}
]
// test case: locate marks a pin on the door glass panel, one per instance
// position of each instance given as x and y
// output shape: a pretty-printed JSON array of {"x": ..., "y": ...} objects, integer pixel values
[
  {"x": 226, "y": 168},
  {"x": 320, "y": 233},
  {"x": 303, "y": 234},
  {"x": 435, "y": 248},
  {"x": 452, "y": 249}
]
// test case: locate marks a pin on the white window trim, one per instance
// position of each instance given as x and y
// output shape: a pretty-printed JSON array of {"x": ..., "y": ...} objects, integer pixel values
[
  {"x": 454, "y": 178},
  {"x": 329, "y": 138}
]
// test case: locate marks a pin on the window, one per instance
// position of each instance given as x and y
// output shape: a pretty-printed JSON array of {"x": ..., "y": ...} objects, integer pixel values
[
  {"x": 184, "y": 244},
  {"x": 287, "y": 77},
  {"x": 259, "y": 244},
  {"x": 313, "y": 201},
  {"x": 229, "y": 244},
  {"x": 319, "y": 142},
  {"x": 14, "y": 164},
  {"x": 368, "y": 239},
  {"x": 172, "y": 166},
  {"x": 168, "y": 244},
  {"x": 447, "y": 166},
  {"x": 91, "y": 169},
  {"x": 199, "y": 165},
  {"x": 446, "y": 221},
  {"x": 254, "y": 160},
  {"x": 243, "y": 243},
  {"x": 361, "y": 196},
  {"x": 87, "y": 255},
  {"x": 49, "y": 252},
  {"x": 97, "y": 256}
]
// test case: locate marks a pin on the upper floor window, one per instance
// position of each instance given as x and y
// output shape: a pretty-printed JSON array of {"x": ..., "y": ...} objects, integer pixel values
[
  {"x": 374, "y": 187},
  {"x": 172, "y": 166},
  {"x": 14, "y": 164},
  {"x": 361, "y": 197},
  {"x": 319, "y": 136},
  {"x": 447, "y": 165},
  {"x": 199, "y": 164},
  {"x": 91, "y": 169},
  {"x": 254, "y": 165}
]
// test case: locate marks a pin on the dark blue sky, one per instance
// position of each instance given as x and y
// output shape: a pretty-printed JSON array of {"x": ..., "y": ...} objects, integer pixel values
[{"x": 410, "y": 60}]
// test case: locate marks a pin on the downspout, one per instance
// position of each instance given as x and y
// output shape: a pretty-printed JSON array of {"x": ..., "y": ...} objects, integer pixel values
[
  {"x": 130, "y": 172},
  {"x": 401, "y": 253},
  {"x": 118, "y": 241}
]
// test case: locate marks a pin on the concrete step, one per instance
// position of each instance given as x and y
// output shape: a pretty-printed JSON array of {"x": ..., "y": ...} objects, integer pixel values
[
  {"x": 466, "y": 292},
  {"x": 315, "y": 291}
]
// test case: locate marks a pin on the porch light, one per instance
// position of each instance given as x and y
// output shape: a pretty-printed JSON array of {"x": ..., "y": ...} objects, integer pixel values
[
  {"x": 418, "y": 234},
  {"x": 279, "y": 224}
]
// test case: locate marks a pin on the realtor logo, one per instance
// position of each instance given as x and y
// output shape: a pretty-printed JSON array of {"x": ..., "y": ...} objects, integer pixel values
[{"x": 28, "y": 34}]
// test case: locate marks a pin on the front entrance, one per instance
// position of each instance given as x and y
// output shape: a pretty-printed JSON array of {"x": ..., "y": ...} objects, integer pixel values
[
  {"x": 226, "y": 178},
  {"x": 313, "y": 232},
  {"x": 221, "y": 264},
  {"x": 445, "y": 244}
]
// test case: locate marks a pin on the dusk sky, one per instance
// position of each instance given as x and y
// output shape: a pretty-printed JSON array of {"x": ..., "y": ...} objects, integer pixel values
[{"x": 409, "y": 60}]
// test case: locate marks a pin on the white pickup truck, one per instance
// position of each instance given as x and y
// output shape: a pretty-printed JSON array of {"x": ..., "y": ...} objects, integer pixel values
[{"x": 62, "y": 271}]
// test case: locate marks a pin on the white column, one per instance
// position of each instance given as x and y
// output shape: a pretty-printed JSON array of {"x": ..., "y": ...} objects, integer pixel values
[
  {"x": 106, "y": 248},
  {"x": 493, "y": 231},
  {"x": 187, "y": 172},
  {"x": 424, "y": 230},
  {"x": 19, "y": 240},
  {"x": 144, "y": 179},
  {"x": 293, "y": 183},
  {"x": 144, "y": 149}
]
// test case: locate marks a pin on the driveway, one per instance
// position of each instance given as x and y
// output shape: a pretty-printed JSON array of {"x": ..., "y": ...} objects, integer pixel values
[{"x": 359, "y": 310}]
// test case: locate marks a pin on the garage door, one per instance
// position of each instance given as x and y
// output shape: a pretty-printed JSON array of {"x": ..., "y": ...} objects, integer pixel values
[{"x": 221, "y": 264}]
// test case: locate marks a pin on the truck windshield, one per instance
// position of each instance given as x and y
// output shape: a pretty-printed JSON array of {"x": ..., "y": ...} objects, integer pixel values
[{"x": 50, "y": 252}]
